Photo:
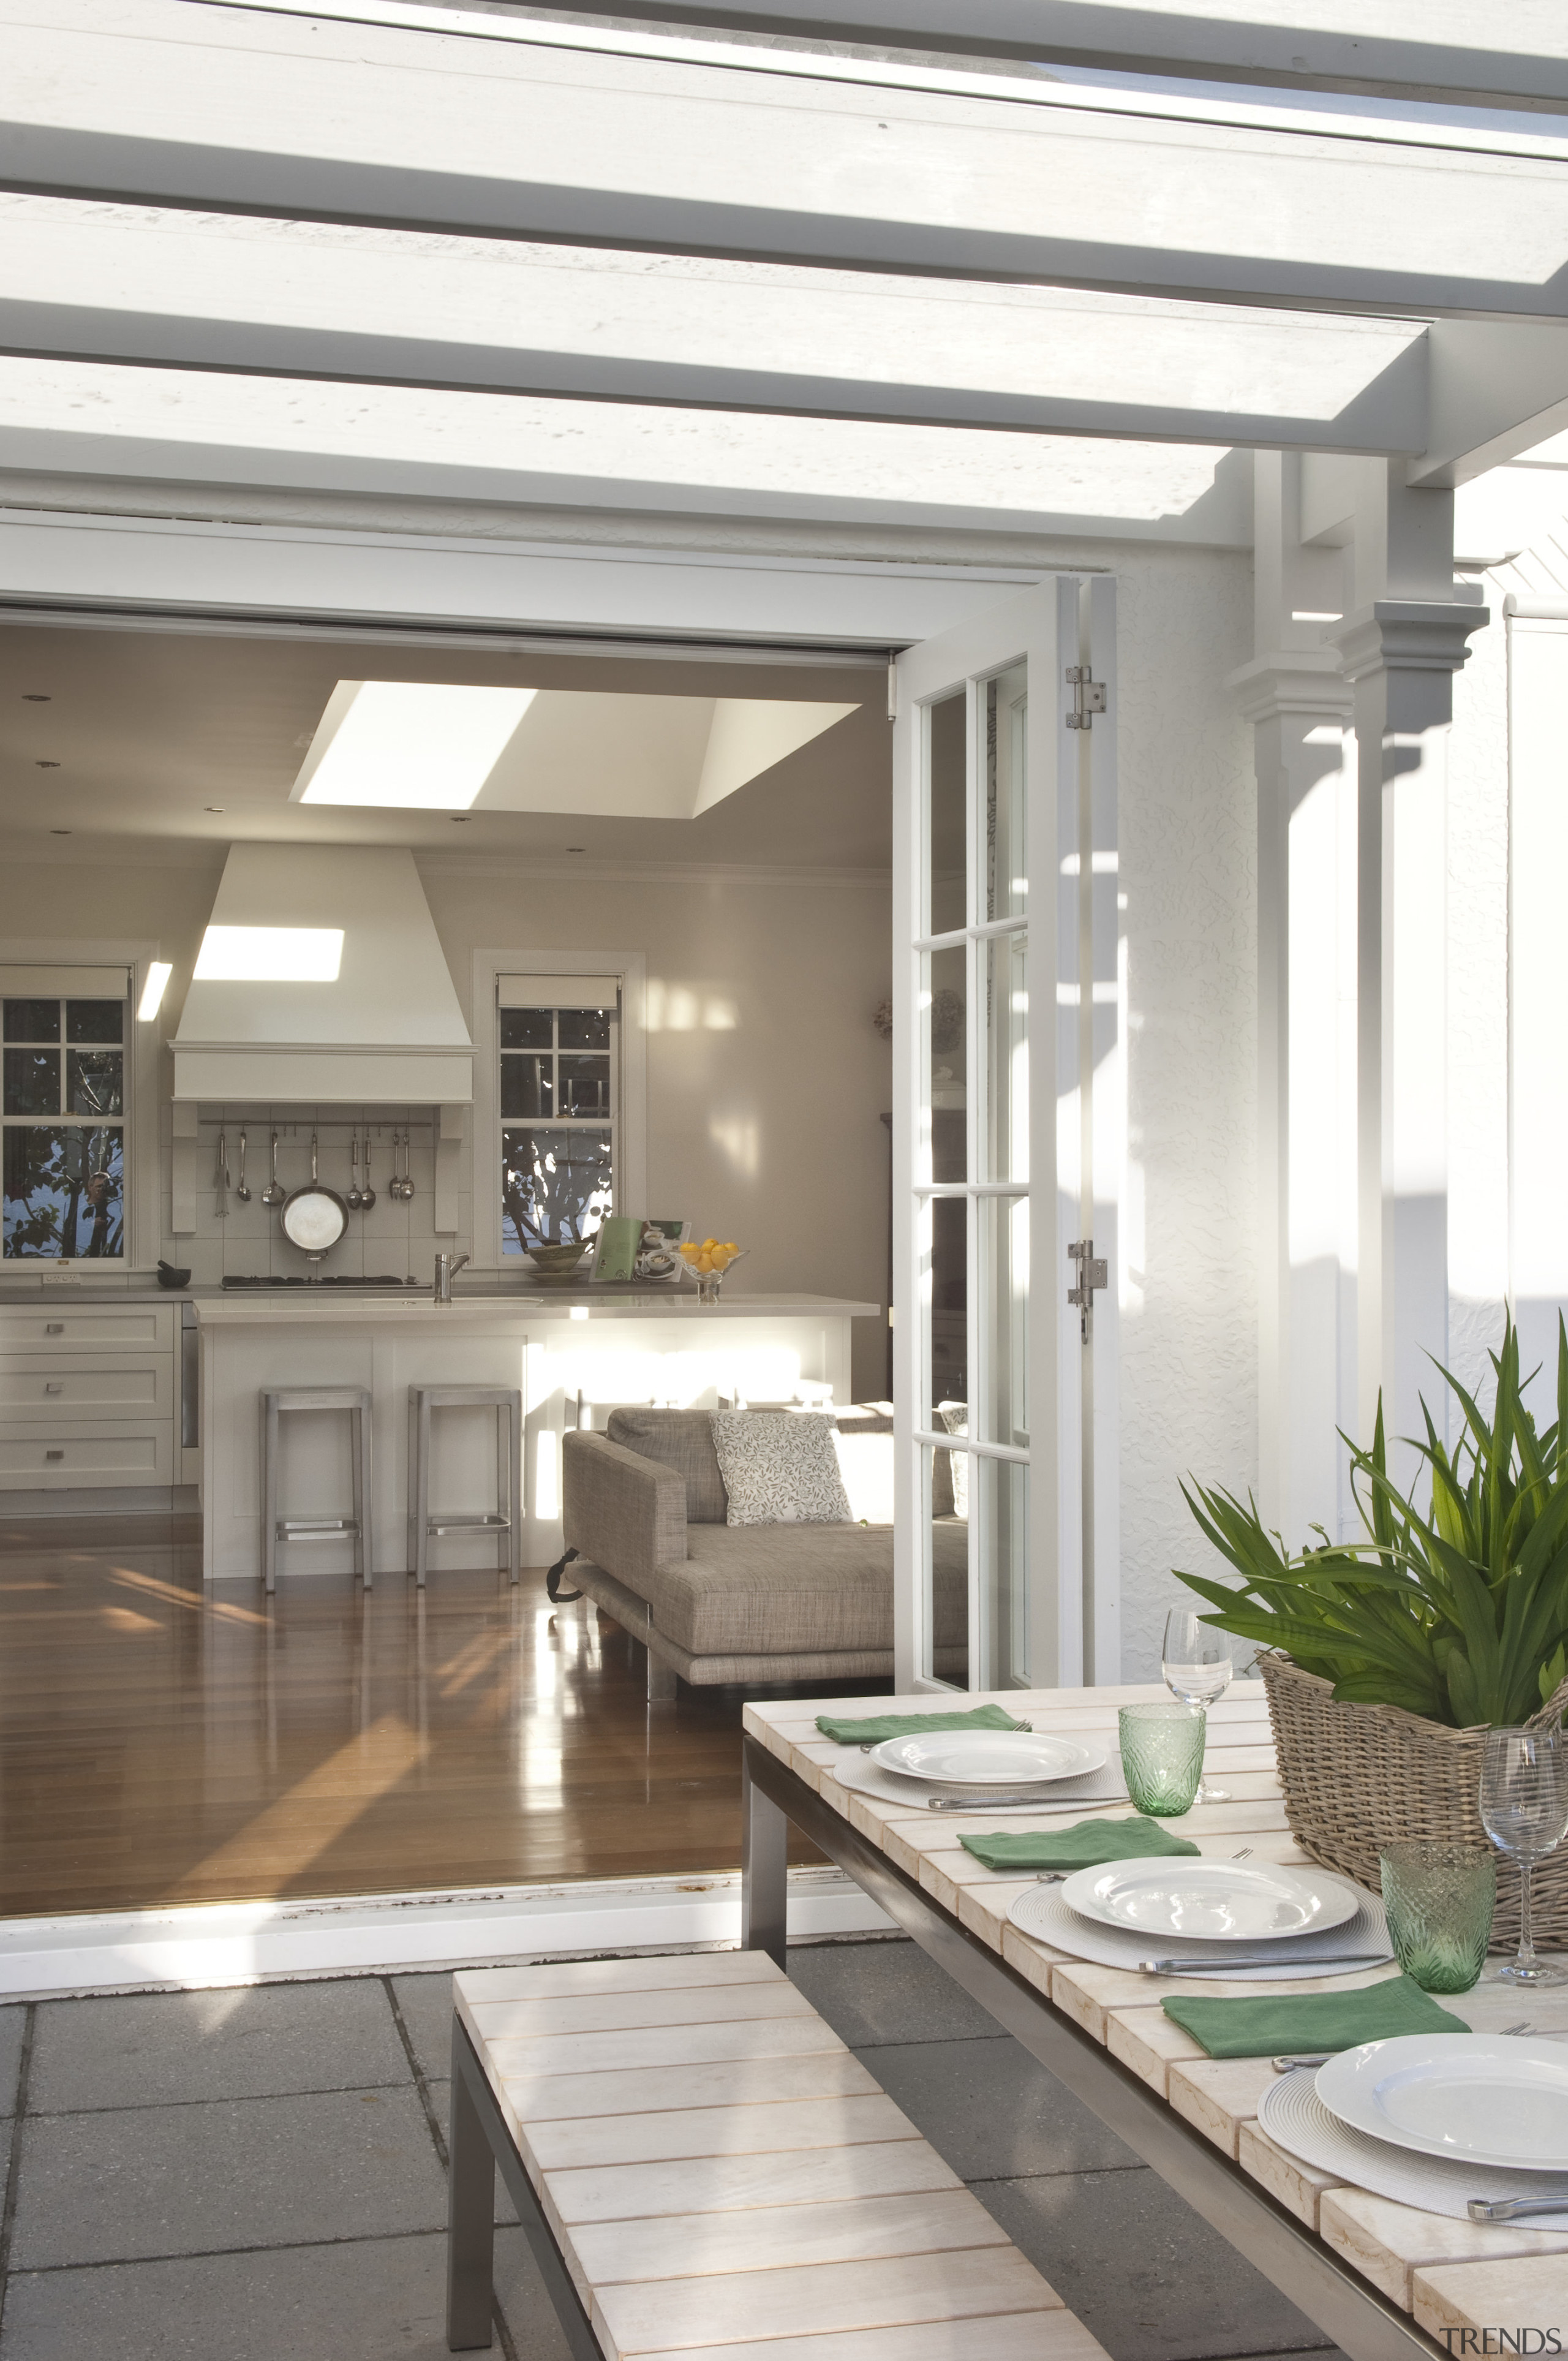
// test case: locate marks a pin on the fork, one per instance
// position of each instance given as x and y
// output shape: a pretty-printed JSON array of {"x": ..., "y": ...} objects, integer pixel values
[
  {"x": 1288, "y": 2065},
  {"x": 1055, "y": 1876}
]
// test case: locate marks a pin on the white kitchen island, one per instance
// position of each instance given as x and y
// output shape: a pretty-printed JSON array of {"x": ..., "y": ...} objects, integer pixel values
[{"x": 572, "y": 1354}]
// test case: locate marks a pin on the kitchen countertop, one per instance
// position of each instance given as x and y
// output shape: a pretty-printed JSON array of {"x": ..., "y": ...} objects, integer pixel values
[{"x": 262, "y": 1306}]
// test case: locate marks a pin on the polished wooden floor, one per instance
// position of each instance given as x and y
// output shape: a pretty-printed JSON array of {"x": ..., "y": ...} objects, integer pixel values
[{"x": 159, "y": 1744}]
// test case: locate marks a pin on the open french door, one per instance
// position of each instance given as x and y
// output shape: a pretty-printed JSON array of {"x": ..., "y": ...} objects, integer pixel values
[{"x": 1008, "y": 1130}]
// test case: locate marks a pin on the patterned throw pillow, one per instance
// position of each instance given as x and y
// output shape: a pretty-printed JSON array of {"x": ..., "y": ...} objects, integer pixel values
[{"x": 779, "y": 1468}]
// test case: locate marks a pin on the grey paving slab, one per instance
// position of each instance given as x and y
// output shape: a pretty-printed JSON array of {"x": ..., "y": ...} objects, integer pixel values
[
  {"x": 194, "y": 2180},
  {"x": 242, "y": 2043},
  {"x": 886, "y": 1992},
  {"x": 1145, "y": 2273},
  {"x": 374, "y": 2299},
  {"x": 991, "y": 2112},
  {"x": 426, "y": 2005},
  {"x": 13, "y": 2024}
]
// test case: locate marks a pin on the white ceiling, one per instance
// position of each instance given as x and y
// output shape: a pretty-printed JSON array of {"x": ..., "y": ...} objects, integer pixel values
[{"x": 168, "y": 736}]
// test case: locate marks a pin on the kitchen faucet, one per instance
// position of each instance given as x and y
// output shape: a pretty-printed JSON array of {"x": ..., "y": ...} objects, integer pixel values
[{"x": 446, "y": 1270}]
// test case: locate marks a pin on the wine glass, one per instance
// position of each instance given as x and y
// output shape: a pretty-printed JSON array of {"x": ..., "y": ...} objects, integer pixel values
[
  {"x": 1196, "y": 1661},
  {"x": 1524, "y": 1810}
]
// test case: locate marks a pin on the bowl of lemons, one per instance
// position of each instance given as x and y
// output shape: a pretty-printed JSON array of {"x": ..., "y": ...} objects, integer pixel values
[{"x": 708, "y": 1262}]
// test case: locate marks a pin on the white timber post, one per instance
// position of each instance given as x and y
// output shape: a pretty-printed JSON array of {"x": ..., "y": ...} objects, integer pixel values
[
  {"x": 1299, "y": 707},
  {"x": 1400, "y": 644}
]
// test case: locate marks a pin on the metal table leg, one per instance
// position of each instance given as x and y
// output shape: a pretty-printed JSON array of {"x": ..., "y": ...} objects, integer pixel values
[
  {"x": 764, "y": 1871},
  {"x": 471, "y": 2234}
]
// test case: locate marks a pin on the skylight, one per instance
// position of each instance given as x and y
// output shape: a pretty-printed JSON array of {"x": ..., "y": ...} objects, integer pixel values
[
  {"x": 270, "y": 955},
  {"x": 409, "y": 745}
]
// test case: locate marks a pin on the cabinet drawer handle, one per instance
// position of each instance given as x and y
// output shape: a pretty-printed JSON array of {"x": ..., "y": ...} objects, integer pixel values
[
  {"x": 54, "y": 1454},
  {"x": 54, "y": 1387},
  {"x": 54, "y": 1327}
]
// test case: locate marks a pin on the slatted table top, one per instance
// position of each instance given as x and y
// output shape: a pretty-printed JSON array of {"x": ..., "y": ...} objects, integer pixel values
[{"x": 1449, "y": 2275}]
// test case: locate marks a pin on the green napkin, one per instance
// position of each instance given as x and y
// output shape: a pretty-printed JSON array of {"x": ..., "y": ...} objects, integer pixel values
[
  {"x": 908, "y": 1724},
  {"x": 1082, "y": 1846},
  {"x": 1297, "y": 2020}
]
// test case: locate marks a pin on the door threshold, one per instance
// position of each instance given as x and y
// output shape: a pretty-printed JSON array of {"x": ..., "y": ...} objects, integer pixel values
[{"x": 186, "y": 1947}]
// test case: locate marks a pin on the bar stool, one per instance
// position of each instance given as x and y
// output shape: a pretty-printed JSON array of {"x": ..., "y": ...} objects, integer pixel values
[
  {"x": 505, "y": 1520},
  {"x": 355, "y": 1400}
]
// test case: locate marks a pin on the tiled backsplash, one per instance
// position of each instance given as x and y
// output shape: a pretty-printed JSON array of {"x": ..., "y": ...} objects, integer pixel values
[{"x": 396, "y": 1237}]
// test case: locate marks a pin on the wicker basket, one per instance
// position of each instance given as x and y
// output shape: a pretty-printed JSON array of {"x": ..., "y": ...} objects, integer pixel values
[{"x": 1359, "y": 1776}]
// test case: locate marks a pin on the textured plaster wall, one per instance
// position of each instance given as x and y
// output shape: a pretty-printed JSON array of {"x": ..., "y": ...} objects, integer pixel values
[
  {"x": 1477, "y": 1008},
  {"x": 1189, "y": 874}
]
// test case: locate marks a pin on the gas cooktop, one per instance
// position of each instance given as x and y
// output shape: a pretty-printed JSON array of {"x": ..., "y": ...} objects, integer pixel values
[{"x": 380, "y": 1280}]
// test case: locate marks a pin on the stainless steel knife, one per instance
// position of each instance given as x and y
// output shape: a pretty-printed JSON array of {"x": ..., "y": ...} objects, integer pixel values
[{"x": 1191, "y": 1967}]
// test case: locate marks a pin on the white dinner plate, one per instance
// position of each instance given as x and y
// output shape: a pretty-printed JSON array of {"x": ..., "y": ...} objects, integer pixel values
[
  {"x": 1485, "y": 2098},
  {"x": 1210, "y": 1901},
  {"x": 987, "y": 1758}
]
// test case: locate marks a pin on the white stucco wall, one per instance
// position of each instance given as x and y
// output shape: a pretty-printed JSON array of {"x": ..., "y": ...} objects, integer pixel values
[{"x": 1188, "y": 872}]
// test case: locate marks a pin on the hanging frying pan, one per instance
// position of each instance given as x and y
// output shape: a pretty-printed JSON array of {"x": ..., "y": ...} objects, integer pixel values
[{"x": 314, "y": 1217}]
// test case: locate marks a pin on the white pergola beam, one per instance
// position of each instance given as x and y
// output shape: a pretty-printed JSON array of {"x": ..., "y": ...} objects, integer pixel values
[
  {"x": 397, "y": 307},
  {"x": 1467, "y": 52},
  {"x": 172, "y": 102},
  {"x": 1498, "y": 388},
  {"x": 77, "y": 421}
]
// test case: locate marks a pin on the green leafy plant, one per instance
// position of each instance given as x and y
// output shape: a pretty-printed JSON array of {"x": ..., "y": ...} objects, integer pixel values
[{"x": 1459, "y": 1615}]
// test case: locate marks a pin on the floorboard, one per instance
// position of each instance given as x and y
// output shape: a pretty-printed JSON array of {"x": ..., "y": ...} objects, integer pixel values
[{"x": 159, "y": 1743}]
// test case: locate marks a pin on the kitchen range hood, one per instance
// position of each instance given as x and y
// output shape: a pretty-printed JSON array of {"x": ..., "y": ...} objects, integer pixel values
[{"x": 321, "y": 981}]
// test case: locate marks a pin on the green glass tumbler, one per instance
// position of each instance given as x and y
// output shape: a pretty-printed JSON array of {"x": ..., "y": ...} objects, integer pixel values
[
  {"x": 1439, "y": 1899},
  {"x": 1162, "y": 1755}
]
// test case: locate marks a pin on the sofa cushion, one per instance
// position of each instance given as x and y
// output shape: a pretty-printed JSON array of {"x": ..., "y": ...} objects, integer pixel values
[
  {"x": 788, "y": 1589},
  {"x": 682, "y": 1439},
  {"x": 781, "y": 1470}
]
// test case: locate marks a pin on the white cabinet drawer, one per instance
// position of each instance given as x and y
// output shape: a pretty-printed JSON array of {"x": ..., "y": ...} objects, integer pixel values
[
  {"x": 65, "y": 1328},
  {"x": 74, "y": 1455},
  {"x": 38, "y": 1387}
]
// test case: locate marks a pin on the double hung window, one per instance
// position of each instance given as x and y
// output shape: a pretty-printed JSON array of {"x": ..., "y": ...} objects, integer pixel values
[
  {"x": 64, "y": 1101},
  {"x": 559, "y": 1047}
]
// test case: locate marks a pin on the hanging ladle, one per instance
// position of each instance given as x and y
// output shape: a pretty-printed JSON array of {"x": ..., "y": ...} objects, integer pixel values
[
  {"x": 241, "y": 1191},
  {"x": 353, "y": 1199},
  {"x": 275, "y": 1192},
  {"x": 407, "y": 1188},
  {"x": 367, "y": 1194}
]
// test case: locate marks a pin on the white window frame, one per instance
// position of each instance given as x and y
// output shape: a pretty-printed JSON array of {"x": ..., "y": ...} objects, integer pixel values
[
  {"x": 632, "y": 1112},
  {"x": 143, "y": 1117}
]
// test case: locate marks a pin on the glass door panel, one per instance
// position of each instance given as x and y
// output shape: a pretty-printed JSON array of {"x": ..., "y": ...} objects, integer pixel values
[
  {"x": 1002, "y": 1398},
  {"x": 945, "y": 1555},
  {"x": 1006, "y": 799},
  {"x": 947, "y": 1360},
  {"x": 945, "y": 1063},
  {"x": 1003, "y": 1514},
  {"x": 1004, "y": 967},
  {"x": 944, "y": 899}
]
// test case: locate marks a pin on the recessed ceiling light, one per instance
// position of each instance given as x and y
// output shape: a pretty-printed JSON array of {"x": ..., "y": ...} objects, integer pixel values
[
  {"x": 216, "y": 807},
  {"x": 59, "y": 832},
  {"x": 33, "y": 696},
  {"x": 458, "y": 819},
  {"x": 408, "y": 745},
  {"x": 270, "y": 955},
  {"x": 576, "y": 848},
  {"x": 45, "y": 766}
]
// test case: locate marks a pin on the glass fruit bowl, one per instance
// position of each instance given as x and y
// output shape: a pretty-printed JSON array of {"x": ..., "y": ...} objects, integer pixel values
[{"x": 708, "y": 1262}]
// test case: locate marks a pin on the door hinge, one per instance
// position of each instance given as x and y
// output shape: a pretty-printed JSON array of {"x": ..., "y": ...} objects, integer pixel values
[
  {"x": 1087, "y": 697},
  {"x": 1093, "y": 1272}
]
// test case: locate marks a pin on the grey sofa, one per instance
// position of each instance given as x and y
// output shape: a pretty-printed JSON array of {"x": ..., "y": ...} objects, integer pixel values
[{"x": 645, "y": 1512}]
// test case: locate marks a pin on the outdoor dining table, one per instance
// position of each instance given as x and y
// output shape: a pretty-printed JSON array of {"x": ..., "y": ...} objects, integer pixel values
[{"x": 1385, "y": 2280}]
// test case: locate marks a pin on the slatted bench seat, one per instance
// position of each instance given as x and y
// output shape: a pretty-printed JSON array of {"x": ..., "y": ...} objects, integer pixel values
[{"x": 702, "y": 2166}]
